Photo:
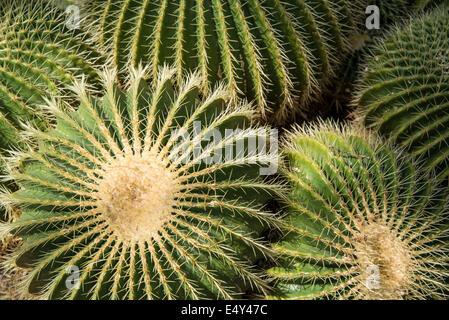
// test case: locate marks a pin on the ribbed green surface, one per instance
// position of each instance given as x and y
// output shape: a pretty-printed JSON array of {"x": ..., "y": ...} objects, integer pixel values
[
  {"x": 352, "y": 197},
  {"x": 404, "y": 91},
  {"x": 277, "y": 53},
  {"x": 39, "y": 56},
  {"x": 204, "y": 250}
]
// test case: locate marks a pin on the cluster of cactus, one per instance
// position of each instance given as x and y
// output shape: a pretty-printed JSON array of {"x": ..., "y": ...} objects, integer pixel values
[{"x": 144, "y": 180}]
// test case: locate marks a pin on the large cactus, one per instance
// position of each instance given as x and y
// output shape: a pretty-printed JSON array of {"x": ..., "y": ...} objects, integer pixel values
[
  {"x": 39, "y": 55},
  {"x": 364, "y": 222},
  {"x": 276, "y": 53},
  {"x": 404, "y": 89},
  {"x": 114, "y": 191}
]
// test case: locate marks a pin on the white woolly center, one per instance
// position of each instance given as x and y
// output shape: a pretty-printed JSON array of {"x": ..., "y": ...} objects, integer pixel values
[
  {"x": 136, "y": 196},
  {"x": 378, "y": 248}
]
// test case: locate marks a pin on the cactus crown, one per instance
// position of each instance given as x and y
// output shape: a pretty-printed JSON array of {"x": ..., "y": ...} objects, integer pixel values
[
  {"x": 112, "y": 192},
  {"x": 404, "y": 94},
  {"x": 364, "y": 223},
  {"x": 136, "y": 195},
  {"x": 276, "y": 53}
]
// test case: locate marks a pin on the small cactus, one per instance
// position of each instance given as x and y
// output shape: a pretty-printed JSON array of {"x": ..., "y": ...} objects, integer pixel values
[
  {"x": 364, "y": 222},
  {"x": 111, "y": 191},
  {"x": 276, "y": 53},
  {"x": 403, "y": 92},
  {"x": 39, "y": 55}
]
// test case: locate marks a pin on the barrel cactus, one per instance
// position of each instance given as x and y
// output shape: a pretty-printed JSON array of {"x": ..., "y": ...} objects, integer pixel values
[
  {"x": 403, "y": 92},
  {"x": 364, "y": 222},
  {"x": 39, "y": 55},
  {"x": 276, "y": 53},
  {"x": 118, "y": 192}
]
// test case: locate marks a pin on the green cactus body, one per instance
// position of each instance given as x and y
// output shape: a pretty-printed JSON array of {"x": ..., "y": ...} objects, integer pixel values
[
  {"x": 39, "y": 55},
  {"x": 276, "y": 53},
  {"x": 363, "y": 221},
  {"x": 404, "y": 90},
  {"x": 113, "y": 191}
]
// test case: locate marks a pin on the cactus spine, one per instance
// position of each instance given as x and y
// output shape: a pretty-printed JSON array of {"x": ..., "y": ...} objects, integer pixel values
[
  {"x": 363, "y": 221},
  {"x": 276, "y": 53},
  {"x": 113, "y": 192},
  {"x": 404, "y": 94}
]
